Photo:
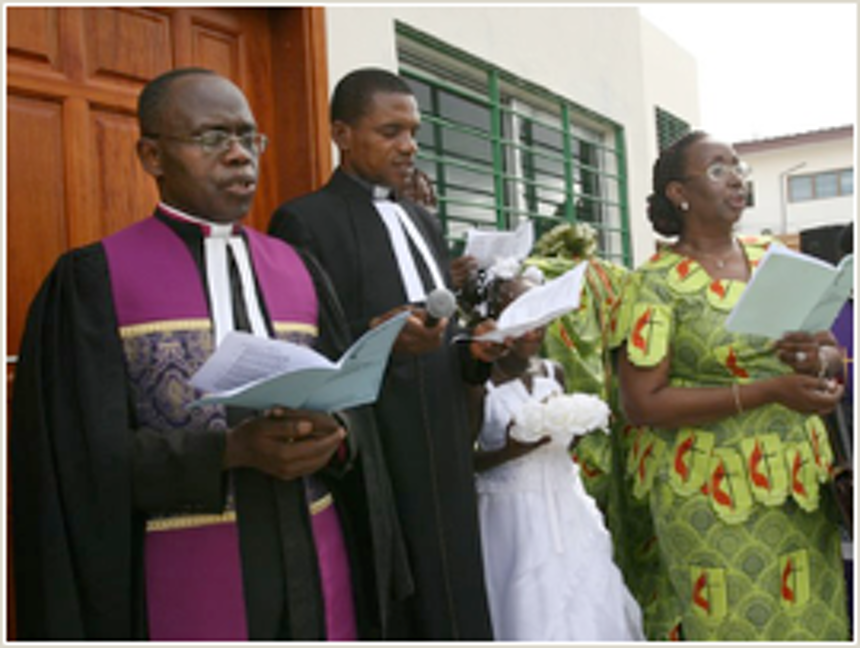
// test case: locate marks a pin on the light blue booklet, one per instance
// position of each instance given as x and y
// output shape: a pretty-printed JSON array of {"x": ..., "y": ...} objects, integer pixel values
[
  {"x": 792, "y": 291},
  {"x": 260, "y": 373}
]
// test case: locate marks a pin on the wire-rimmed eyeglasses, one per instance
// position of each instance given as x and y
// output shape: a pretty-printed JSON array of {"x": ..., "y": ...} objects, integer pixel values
[
  {"x": 719, "y": 171},
  {"x": 216, "y": 142}
]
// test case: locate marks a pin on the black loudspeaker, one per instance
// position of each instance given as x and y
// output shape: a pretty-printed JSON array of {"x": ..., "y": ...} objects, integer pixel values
[{"x": 822, "y": 242}]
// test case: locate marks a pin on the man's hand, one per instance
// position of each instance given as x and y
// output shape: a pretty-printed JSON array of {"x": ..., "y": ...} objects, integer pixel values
[
  {"x": 284, "y": 443},
  {"x": 415, "y": 337},
  {"x": 462, "y": 269}
]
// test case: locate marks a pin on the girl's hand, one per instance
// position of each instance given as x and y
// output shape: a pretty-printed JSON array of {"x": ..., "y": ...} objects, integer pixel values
[
  {"x": 488, "y": 351},
  {"x": 515, "y": 448}
]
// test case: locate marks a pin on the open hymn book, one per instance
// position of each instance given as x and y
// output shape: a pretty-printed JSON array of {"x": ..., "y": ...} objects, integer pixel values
[
  {"x": 260, "y": 373},
  {"x": 792, "y": 291}
]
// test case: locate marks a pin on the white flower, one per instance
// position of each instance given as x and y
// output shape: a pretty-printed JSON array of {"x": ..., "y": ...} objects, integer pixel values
[
  {"x": 560, "y": 417},
  {"x": 504, "y": 268},
  {"x": 528, "y": 424},
  {"x": 533, "y": 274},
  {"x": 588, "y": 412}
]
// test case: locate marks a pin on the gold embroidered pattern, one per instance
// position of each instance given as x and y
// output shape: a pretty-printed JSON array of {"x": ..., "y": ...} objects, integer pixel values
[
  {"x": 164, "y": 326},
  {"x": 190, "y": 521},
  {"x": 295, "y": 327},
  {"x": 321, "y": 504},
  {"x": 181, "y": 522}
]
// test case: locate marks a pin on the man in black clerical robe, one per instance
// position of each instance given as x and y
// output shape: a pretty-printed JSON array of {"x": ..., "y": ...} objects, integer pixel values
[
  {"x": 120, "y": 488},
  {"x": 383, "y": 254}
]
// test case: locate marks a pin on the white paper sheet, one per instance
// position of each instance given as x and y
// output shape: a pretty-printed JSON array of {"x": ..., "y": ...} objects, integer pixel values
[
  {"x": 259, "y": 373},
  {"x": 539, "y": 305},
  {"x": 487, "y": 246}
]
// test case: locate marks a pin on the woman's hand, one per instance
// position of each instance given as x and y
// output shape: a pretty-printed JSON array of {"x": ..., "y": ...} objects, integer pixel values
[
  {"x": 814, "y": 354},
  {"x": 806, "y": 394}
]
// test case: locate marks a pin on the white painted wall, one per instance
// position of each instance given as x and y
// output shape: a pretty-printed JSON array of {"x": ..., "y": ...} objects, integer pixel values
[
  {"x": 606, "y": 59},
  {"x": 772, "y": 209}
]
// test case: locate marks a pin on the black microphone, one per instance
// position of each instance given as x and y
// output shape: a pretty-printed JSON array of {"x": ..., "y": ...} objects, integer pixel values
[{"x": 441, "y": 303}]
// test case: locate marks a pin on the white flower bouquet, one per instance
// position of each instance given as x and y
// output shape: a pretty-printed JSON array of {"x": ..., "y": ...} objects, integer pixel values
[{"x": 561, "y": 418}]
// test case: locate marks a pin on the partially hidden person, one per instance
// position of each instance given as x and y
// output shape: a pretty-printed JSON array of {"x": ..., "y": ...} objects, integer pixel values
[{"x": 385, "y": 254}]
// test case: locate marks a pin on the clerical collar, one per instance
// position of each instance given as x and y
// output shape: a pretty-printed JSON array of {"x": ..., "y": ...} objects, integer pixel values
[
  {"x": 377, "y": 192},
  {"x": 209, "y": 228},
  {"x": 381, "y": 192}
]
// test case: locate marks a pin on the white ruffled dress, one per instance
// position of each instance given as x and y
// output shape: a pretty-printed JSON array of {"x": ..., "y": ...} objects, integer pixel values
[{"x": 547, "y": 554}]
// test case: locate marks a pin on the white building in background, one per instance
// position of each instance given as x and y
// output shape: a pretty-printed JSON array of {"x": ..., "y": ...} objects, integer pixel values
[
  {"x": 800, "y": 182},
  {"x": 532, "y": 112}
]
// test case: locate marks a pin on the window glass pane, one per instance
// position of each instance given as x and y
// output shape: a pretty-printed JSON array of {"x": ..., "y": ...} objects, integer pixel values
[
  {"x": 466, "y": 145},
  {"x": 422, "y": 92},
  {"x": 826, "y": 185},
  {"x": 846, "y": 182},
  {"x": 800, "y": 188},
  {"x": 463, "y": 111}
]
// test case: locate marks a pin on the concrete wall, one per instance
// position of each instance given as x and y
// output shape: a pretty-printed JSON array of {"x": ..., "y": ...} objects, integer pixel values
[{"x": 605, "y": 59}]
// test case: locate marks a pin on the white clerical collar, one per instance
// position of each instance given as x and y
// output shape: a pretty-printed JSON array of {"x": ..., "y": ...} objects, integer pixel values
[
  {"x": 217, "y": 238},
  {"x": 377, "y": 191},
  {"x": 210, "y": 228},
  {"x": 381, "y": 192}
]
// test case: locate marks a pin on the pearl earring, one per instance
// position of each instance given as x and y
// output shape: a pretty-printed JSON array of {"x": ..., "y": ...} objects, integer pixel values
[{"x": 684, "y": 206}]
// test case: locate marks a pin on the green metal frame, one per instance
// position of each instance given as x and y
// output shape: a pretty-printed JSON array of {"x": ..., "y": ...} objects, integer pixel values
[{"x": 496, "y": 83}]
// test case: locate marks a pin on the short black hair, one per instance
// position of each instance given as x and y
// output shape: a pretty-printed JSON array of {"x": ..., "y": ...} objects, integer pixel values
[
  {"x": 152, "y": 99},
  {"x": 353, "y": 93}
]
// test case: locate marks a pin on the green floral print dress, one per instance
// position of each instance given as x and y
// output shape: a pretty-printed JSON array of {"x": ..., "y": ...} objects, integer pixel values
[{"x": 747, "y": 531}]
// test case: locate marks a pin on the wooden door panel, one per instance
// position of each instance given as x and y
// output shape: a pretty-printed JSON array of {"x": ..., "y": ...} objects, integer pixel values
[
  {"x": 33, "y": 36},
  {"x": 127, "y": 45},
  {"x": 126, "y": 193},
  {"x": 216, "y": 48},
  {"x": 36, "y": 193}
]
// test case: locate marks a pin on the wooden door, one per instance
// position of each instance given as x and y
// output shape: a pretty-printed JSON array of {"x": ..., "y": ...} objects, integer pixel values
[{"x": 73, "y": 77}]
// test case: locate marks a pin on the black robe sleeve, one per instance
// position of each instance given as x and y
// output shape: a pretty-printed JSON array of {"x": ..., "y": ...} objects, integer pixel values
[
  {"x": 366, "y": 501},
  {"x": 76, "y": 541}
]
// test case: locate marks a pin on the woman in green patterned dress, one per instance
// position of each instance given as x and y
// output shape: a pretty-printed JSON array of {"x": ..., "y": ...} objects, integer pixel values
[{"x": 730, "y": 449}]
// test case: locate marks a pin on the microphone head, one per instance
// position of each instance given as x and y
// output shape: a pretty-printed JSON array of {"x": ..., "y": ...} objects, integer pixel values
[{"x": 441, "y": 303}]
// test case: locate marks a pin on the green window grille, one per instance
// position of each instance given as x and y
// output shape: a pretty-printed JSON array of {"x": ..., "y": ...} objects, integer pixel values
[
  {"x": 500, "y": 149},
  {"x": 669, "y": 128}
]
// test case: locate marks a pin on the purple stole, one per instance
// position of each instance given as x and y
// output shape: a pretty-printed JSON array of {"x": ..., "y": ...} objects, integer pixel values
[{"x": 192, "y": 563}]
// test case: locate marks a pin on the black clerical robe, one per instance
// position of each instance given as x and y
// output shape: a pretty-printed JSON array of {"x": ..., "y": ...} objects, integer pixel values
[
  {"x": 421, "y": 413},
  {"x": 78, "y": 536}
]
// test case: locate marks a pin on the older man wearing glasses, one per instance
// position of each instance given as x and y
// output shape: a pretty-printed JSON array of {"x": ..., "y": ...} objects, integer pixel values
[{"x": 137, "y": 516}]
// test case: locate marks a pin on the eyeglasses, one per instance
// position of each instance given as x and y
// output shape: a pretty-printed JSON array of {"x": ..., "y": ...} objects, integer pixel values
[
  {"x": 217, "y": 142},
  {"x": 719, "y": 171}
]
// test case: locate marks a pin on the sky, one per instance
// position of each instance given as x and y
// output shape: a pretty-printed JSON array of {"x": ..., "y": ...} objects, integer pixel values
[{"x": 767, "y": 70}]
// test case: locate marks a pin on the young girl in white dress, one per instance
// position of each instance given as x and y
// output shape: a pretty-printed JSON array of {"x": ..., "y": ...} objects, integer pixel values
[{"x": 547, "y": 554}]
